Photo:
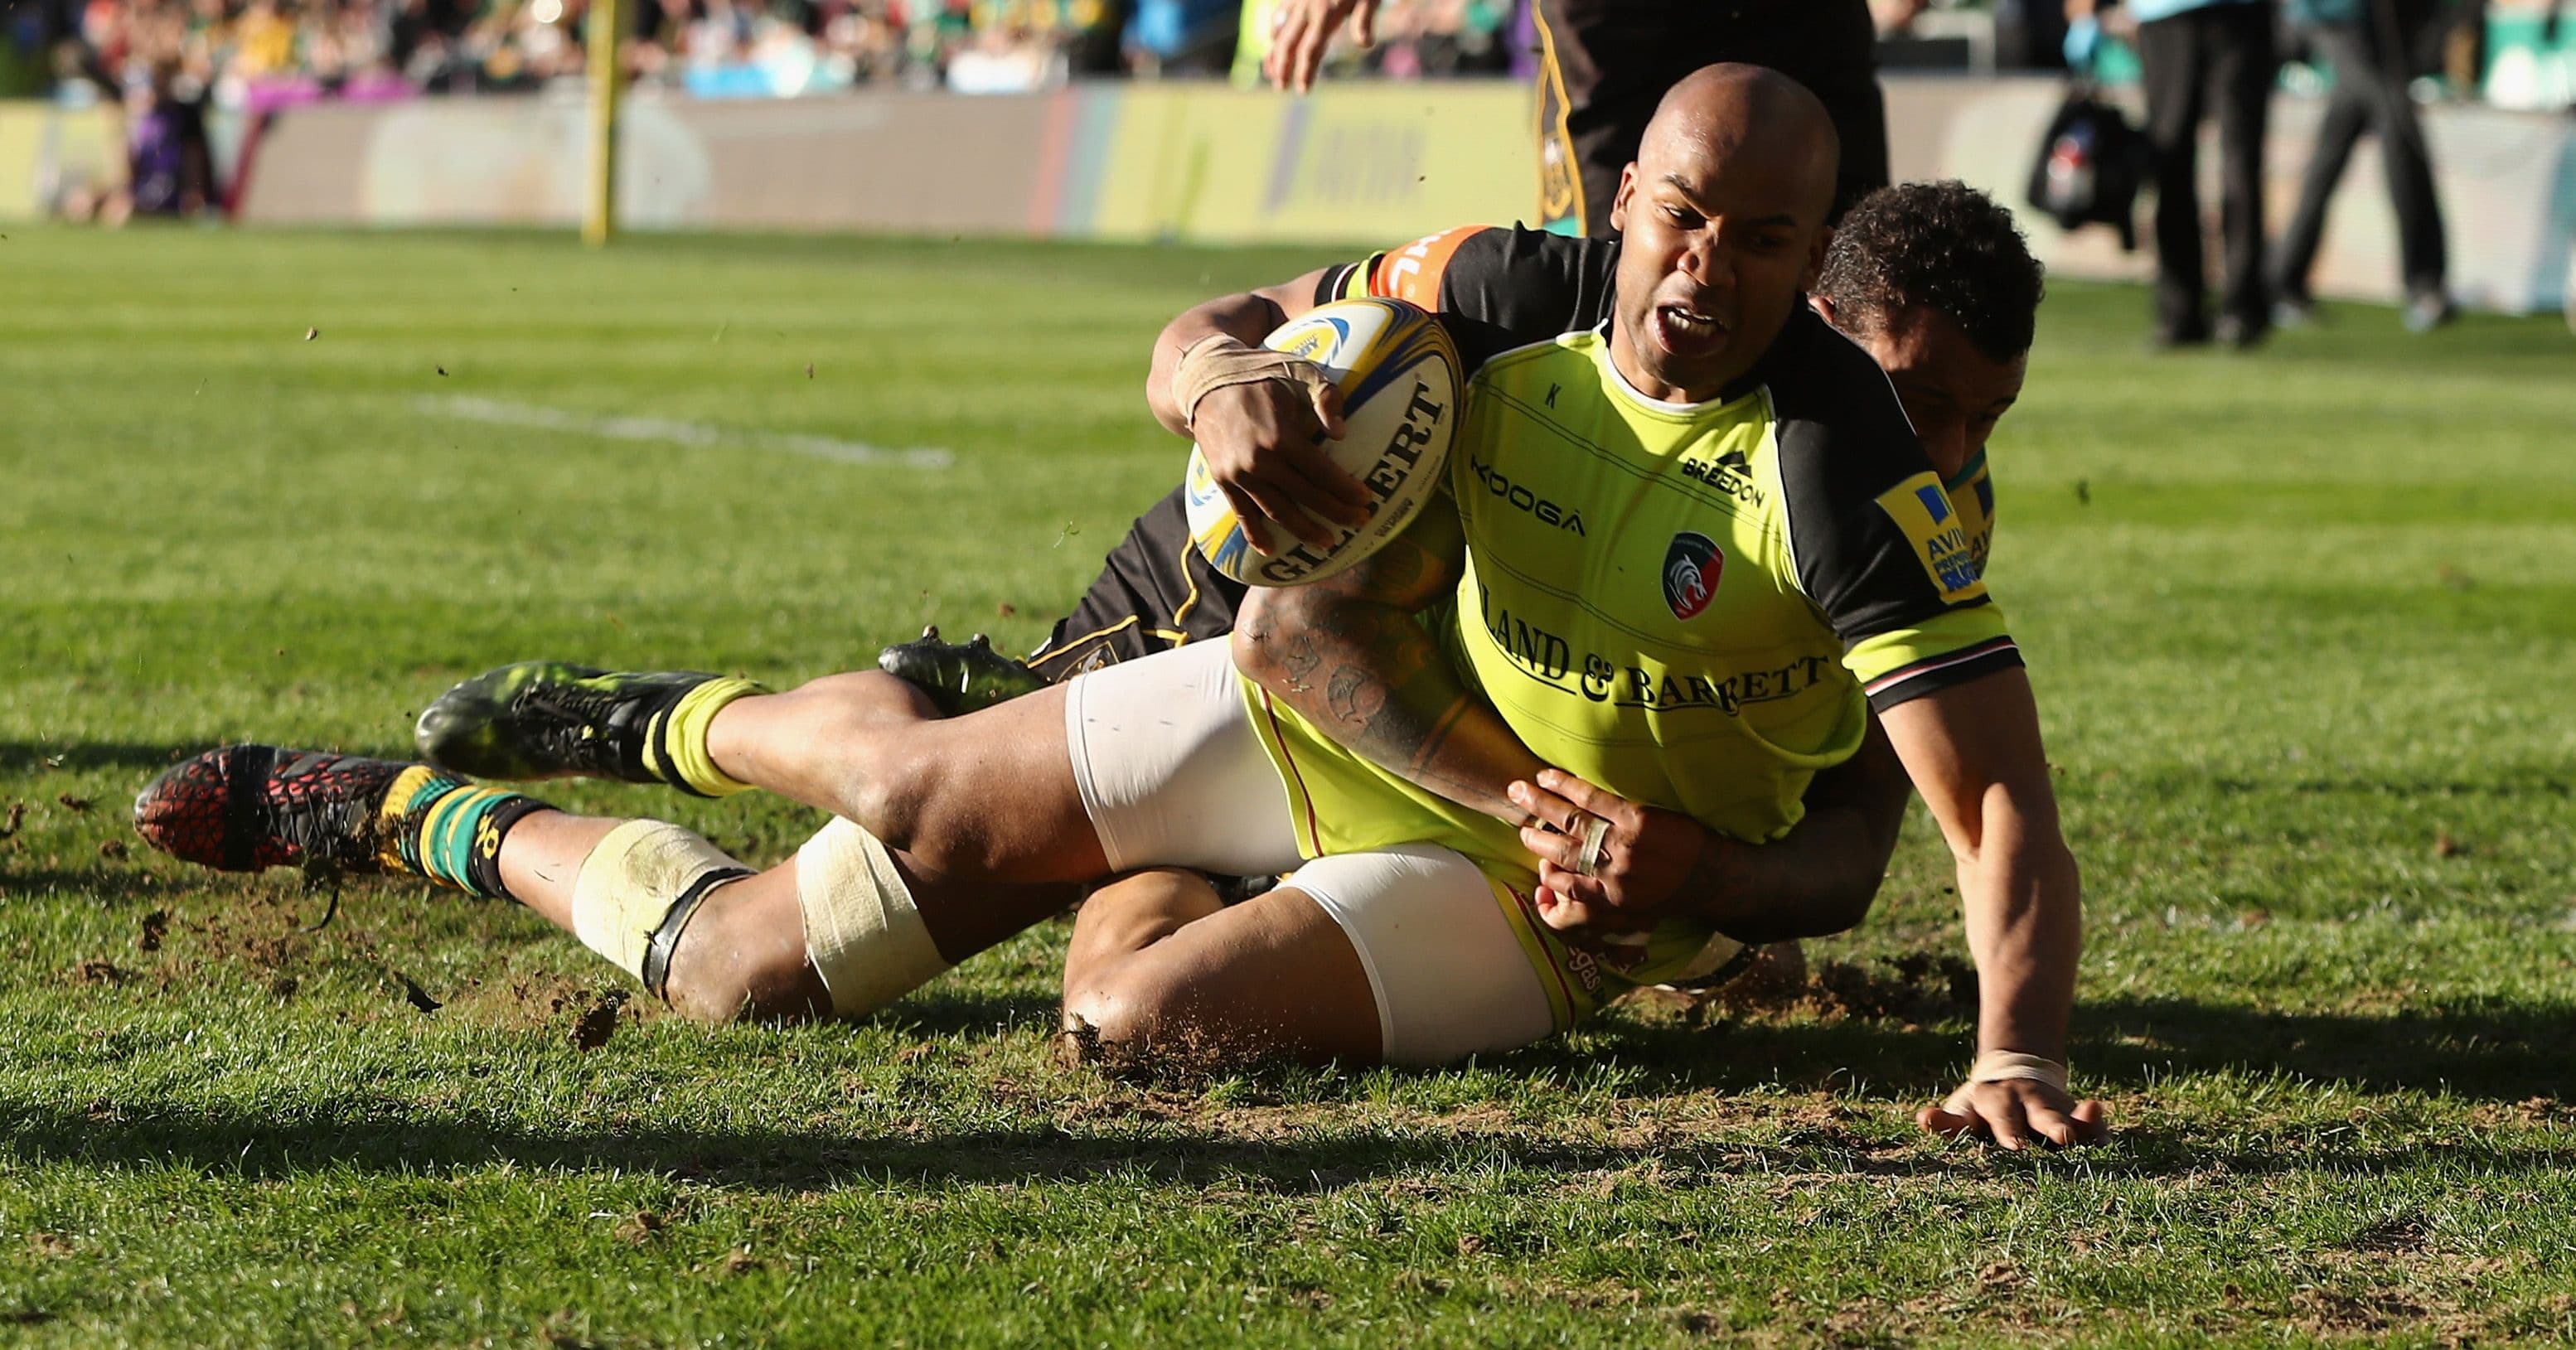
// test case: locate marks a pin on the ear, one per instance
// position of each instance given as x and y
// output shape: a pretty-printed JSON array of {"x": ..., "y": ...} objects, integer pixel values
[
  {"x": 1824, "y": 309},
  {"x": 1619, "y": 204},
  {"x": 1816, "y": 260}
]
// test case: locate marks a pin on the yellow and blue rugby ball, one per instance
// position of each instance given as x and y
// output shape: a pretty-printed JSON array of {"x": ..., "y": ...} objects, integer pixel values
[{"x": 1398, "y": 374}]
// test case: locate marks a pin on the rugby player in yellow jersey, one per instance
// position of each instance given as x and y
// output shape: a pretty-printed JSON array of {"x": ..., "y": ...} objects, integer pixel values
[
  {"x": 1700, "y": 426},
  {"x": 1413, "y": 952}
]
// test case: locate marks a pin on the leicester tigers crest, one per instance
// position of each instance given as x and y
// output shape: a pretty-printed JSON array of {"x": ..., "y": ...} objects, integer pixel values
[{"x": 1691, "y": 568}]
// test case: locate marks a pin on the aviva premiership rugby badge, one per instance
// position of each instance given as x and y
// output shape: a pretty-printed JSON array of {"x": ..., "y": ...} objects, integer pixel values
[
  {"x": 1922, "y": 513},
  {"x": 1691, "y": 568}
]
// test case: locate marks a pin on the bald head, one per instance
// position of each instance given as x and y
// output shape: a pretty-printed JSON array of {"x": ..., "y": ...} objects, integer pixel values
[
  {"x": 1722, "y": 224},
  {"x": 1731, "y": 113}
]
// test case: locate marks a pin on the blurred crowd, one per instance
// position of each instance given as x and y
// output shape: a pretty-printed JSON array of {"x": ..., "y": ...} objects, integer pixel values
[
  {"x": 254, "y": 54},
  {"x": 172, "y": 63}
]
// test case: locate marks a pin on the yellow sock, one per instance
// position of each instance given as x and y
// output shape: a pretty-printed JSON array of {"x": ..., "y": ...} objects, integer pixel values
[
  {"x": 676, "y": 750},
  {"x": 394, "y": 850},
  {"x": 441, "y": 827}
]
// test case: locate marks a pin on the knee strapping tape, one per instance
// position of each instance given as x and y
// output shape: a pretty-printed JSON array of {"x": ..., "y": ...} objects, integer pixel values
[{"x": 862, "y": 931}]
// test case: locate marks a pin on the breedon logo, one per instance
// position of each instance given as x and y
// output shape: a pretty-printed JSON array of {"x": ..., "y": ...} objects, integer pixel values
[{"x": 1691, "y": 569}]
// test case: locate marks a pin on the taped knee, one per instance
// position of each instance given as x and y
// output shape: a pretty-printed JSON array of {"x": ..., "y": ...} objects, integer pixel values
[
  {"x": 638, "y": 890},
  {"x": 862, "y": 931}
]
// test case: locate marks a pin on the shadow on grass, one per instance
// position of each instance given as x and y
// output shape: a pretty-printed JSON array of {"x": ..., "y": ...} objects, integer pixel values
[
  {"x": 114, "y": 884},
  {"x": 2512, "y": 783},
  {"x": 936, "y": 1012},
  {"x": 1308, "y": 1161},
  {"x": 32, "y": 756},
  {"x": 1163, "y": 1137},
  {"x": 792, "y": 1160},
  {"x": 2484, "y": 1050}
]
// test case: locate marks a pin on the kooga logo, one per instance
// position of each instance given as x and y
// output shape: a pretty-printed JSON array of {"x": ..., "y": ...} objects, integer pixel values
[{"x": 1525, "y": 501}]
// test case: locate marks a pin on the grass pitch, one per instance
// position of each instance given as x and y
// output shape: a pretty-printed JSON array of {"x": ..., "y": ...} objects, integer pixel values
[{"x": 2300, "y": 622}]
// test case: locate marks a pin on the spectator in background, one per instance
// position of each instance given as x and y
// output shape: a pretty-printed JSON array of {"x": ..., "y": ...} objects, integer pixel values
[
  {"x": 2367, "y": 43},
  {"x": 2200, "y": 57},
  {"x": 148, "y": 59},
  {"x": 262, "y": 41},
  {"x": 169, "y": 168}
]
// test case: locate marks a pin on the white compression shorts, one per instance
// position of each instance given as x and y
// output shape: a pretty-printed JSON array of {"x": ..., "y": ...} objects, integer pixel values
[
  {"x": 1450, "y": 975},
  {"x": 1170, "y": 770},
  {"x": 1172, "y": 775}
]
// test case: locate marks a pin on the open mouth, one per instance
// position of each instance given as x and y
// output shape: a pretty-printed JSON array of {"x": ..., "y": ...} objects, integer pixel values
[{"x": 1684, "y": 331}]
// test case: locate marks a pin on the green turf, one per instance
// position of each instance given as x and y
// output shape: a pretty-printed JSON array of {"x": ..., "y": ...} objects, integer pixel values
[{"x": 2300, "y": 621}]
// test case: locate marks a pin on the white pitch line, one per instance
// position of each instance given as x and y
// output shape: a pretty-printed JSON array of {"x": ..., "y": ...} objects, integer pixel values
[{"x": 673, "y": 432}]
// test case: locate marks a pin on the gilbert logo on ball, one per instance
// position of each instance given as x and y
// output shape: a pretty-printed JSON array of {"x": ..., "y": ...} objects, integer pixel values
[{"x": 1399, "y": 378}]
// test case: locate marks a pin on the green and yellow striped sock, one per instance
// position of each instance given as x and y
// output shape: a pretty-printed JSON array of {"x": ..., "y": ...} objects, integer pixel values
[
  {"x": 675, "y": 744},
  {"x": 449, "y": 830}
]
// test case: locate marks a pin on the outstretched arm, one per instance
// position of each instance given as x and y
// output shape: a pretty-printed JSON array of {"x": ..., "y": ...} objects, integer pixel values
[{"x": 1974, "y": 751}]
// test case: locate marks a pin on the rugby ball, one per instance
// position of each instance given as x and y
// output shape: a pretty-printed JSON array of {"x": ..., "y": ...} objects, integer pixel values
[{"x": 1398, "y": 374}]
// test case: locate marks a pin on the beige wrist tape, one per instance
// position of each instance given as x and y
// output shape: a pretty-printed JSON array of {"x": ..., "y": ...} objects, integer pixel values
[
  {"x": 2003, "y": 1066},
  {"x": 862, "y": 931},
  {"x": 1218, "y": 360}
]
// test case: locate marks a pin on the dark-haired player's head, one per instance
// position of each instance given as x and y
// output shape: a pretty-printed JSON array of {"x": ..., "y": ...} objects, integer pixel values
[
  {"x": 1937, "y": 283},
  {"x": 1722, "y": 222}
]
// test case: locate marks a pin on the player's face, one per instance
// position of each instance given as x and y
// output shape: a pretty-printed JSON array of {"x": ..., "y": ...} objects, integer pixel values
[
  {"x": 1952, "y": 392},
  {"x": 1716, "y": 248}
]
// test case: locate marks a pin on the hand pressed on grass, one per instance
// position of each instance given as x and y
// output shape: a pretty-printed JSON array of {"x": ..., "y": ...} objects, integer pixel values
[{"x": 2017, "y": 1114}]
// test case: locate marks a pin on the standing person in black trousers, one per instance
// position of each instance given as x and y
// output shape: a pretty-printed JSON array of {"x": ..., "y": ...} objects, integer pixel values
[
  {"x": 1604, "y": 64},
  {"x": 2366, "y": 41},
  {"x": 2202, "y": 56}
]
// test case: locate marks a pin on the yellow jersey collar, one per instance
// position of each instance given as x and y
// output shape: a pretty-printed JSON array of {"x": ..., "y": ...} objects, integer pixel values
[{"x": 1749, "y": 382}]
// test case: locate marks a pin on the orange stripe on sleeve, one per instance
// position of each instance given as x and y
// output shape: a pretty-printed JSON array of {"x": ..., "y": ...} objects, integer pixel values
[{"x": 1412, "y": 273}]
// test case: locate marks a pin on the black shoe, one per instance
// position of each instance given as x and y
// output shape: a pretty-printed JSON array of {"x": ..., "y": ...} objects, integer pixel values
[
  {"x": 959, "y": 678},
  {"x": 547, "y": 719},
  {"x": 247, "y": 807}
]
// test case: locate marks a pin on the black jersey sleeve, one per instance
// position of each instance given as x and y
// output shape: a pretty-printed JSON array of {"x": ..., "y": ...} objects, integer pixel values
[
  {"x": 1494, "y": 287},
  {"x": 1875, "y": 542}
]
